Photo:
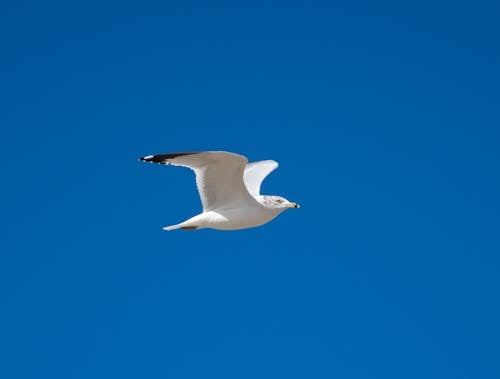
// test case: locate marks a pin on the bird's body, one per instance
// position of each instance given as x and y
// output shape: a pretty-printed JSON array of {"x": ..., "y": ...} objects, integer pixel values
[
  {"x": 229, "y": 189},
  {"x": 230, "y": 219}
]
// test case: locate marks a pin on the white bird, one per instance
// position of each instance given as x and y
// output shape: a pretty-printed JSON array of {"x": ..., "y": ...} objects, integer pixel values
[{"x": 229, "y": 189}]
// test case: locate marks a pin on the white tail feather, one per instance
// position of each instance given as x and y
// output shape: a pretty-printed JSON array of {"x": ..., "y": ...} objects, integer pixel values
[{"x": 172, "y": 227}]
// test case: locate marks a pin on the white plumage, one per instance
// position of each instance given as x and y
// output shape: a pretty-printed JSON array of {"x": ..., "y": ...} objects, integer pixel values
[{"x": 229, "y": 189}]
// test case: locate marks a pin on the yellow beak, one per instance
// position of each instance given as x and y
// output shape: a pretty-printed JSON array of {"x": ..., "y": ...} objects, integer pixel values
[{"x": 293, "y": 205}]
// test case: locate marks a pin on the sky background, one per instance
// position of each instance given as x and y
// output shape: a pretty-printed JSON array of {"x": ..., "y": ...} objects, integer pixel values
[{"x": 384, "y": 117}]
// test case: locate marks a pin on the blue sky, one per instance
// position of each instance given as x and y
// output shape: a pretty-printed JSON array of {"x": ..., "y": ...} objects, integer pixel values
[{"x": 384, "y": 117}]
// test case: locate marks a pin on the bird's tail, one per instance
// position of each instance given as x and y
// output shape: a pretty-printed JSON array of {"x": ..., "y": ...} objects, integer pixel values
[
  {"x": 172, "y": 227},
  {"x": 180, "y": 226},
  {"x": 192, "y": 224}
]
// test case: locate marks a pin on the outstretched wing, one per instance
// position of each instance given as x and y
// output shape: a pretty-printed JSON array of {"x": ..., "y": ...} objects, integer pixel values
[
  {"x": 219, "y": 176},
  {"x": 255, "y": 173}
]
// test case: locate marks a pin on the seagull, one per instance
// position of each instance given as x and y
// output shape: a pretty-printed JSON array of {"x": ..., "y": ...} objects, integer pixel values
[{"x": 229, "y": 189}]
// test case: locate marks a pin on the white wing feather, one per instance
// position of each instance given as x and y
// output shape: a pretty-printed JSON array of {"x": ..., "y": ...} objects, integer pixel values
[
  {"x": 219, "y": 176},
  {"x": 255, "y": 173}
]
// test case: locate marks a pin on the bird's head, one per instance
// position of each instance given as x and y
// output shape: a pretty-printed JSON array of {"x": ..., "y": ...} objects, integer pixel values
[{"x": 278, "y": 202}]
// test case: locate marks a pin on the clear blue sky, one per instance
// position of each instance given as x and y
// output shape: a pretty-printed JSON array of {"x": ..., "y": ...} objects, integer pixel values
[{"x": 384, "y": 117}]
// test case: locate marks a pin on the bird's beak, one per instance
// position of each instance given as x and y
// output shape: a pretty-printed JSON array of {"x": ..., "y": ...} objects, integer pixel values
[{"x": 293, "y": 205}]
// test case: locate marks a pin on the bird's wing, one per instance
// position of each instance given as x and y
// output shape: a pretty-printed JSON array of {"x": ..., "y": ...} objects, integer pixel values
[
  {"x": 255, "y": 173},
  {"x": 219, "y": 176}
]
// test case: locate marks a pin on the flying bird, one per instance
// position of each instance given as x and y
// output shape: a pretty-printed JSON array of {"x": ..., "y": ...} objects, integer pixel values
[{"x": 229, "y": 189}]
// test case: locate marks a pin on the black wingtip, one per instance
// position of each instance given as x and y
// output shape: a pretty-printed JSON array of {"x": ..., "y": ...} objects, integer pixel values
[{"x": 162, "y": 158}]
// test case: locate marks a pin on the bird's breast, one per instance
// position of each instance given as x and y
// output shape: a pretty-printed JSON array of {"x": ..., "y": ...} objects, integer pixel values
[{"x": 233, "y": 219}]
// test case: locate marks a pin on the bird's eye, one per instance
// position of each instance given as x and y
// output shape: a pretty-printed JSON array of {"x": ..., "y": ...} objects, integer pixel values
[{"x": 279, "y": 201}]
